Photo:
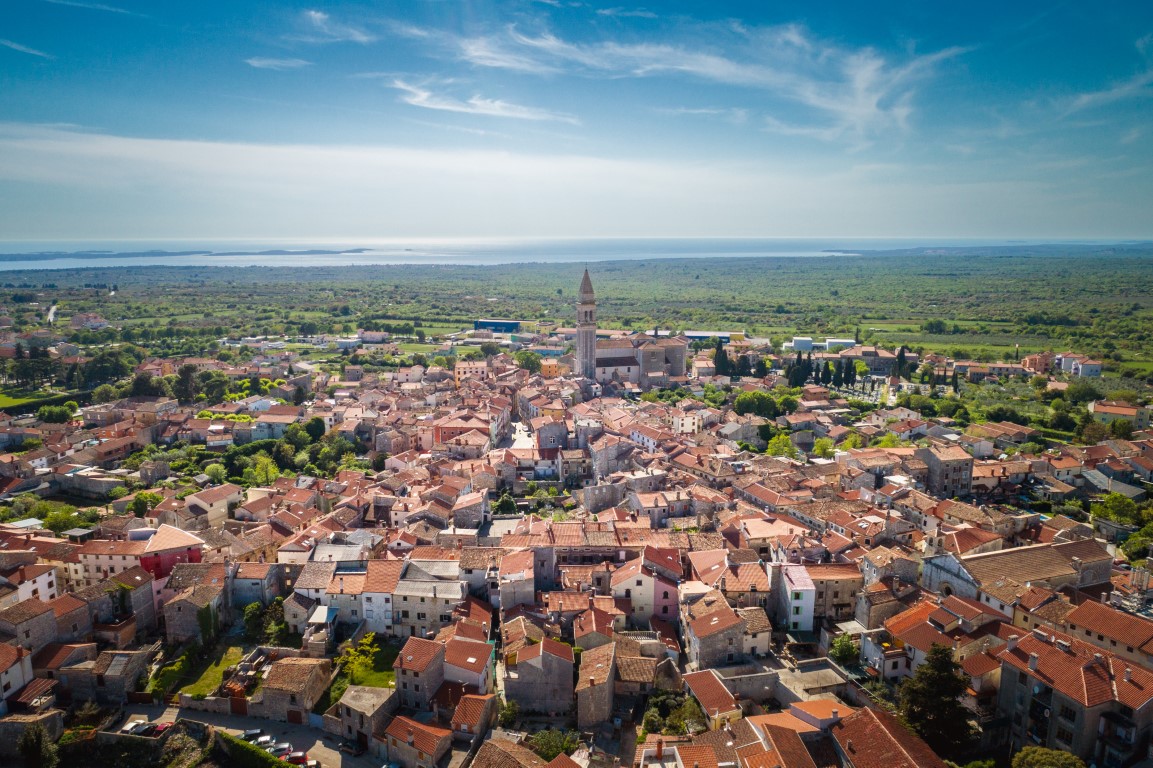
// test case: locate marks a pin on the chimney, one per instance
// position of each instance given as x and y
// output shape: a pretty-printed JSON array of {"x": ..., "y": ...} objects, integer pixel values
[
  {"x": 1098, "y": 658},
  {"x": 342, "y": 585},
  {"x": 660, "y": 748},
  {"x": 592, "y": 680},
  {"x": 1104, "y": 597},
  {"x": 1011, "y": 644},
  {"x": 836, "y": 714},
  {"x": 1128, "y": 675},
  {"x": 1033, "y": 659}
]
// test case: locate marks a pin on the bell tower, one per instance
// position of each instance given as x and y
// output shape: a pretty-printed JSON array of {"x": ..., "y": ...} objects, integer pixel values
[{"x": 586, "y": 351}]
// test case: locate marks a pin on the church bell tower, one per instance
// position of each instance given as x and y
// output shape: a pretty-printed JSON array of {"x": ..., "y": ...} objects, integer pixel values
[{"x": 586, "y": 351}]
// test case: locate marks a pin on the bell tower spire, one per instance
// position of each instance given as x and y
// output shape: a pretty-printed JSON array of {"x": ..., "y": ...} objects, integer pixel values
[{"x": 586, "y": 352}]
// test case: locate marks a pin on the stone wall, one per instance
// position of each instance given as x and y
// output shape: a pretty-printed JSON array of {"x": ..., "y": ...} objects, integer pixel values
[{"x": 11, "y": 726}]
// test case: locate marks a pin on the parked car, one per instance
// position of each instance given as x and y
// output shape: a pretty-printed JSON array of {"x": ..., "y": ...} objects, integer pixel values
[
  {"x": 312, "y": 764},
  {"x": 148, "y": 729},
  {"x": 352, "y": 748},
  {"x": 253, "y": 734},
  {"x": 133, "y": 725},
  {"x": 280, "y": 750},
  {"x": 162, "y": 727},
  {"x": 297, "y": 758},
  {"x": 264, "y": 741}
]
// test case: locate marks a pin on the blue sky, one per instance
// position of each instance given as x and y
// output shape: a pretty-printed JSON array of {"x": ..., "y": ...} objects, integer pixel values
[{"x": 429, "y": 118}]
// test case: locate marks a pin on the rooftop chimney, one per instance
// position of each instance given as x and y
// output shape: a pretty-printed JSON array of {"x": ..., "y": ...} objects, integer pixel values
[
  {"x": 1128, "y": 675},
  {"x": 660, "y": 748},
  {"x": 1033, "y": 659}
]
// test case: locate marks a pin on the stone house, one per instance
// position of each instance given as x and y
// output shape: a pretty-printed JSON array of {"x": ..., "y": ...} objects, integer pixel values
[
  {"x": 363, "y": 712},
  {"x": 30, "y": 624},
  {"x": 194, "y": 612},
  {"x": 15, "y": 672},
  {"x": 255, "y": 583},
  {"x": 594, "y": 689},
  {"x": 473, "y": 716},
  {"x": 419, "y": 671},
  {"x": 297, "y": 609},
  {"x": 293, "y": 686},
  {"x": 73, "y": 624},
  {"x": 416, "y": 745},
  {"x": 541, "y": 677},
  {"x": 469, "y": 663},
  {"x": 715, "y": 638},
  {"x": 108, "y": 680},
  {"x": 211, "y": 506}
]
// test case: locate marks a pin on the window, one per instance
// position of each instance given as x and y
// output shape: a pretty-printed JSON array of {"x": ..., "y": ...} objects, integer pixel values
[
  {"x": 1067, "y": 713},
  {"x": 368, "y": 599},
  {"x": 292, "y": 698},
  {"x": 1065, "y": 736},
  {"x": 666, "y": 597},
  {"x": 797, "y": 611},
  {"x": 796, "y": 596},
  {"x": 639, "y": 582}
]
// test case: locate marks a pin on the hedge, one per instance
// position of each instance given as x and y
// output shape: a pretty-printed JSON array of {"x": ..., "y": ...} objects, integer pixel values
[{"x": 241, "y": 754}]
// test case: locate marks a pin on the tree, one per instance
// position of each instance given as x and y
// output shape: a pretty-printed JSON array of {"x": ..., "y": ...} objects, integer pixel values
[
  {"x": 1040, "y": 757},
  {"x": 185, "y": 389},
  {"x": 1121, "y": 429},
  {"x": 315, "y": 428},
  {"x": 509, "y": 712},
  {"x": 143, "y": 502},
  {"x": 506, "y": 505},
  {"x": 759, "y": 403},
  {"x": 550, "y": 743},
  {"x": 930, "y": 702},
  {"x": 490, "y": 349},
  {"x": 216, "y": 473},
  {"x": 358, "y": 659},
  {"x": 528, "y": 360},
  {"x": 823, "y": 447},
  {"x": 264, "y": 469},
  {"x": 844, "y": 650},
  {"x": 781, "y": 445},
  {"x": 253, "y": 621},
  {"x": 59, "y": 414},
  {"x": 36, "y": 748},
  {"x": 1116, "y": 507},
  {"x": 105, "y": 393}
]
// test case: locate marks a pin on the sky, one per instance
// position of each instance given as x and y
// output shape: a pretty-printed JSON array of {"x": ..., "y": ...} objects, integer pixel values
[{"x": 128, "y": 119}]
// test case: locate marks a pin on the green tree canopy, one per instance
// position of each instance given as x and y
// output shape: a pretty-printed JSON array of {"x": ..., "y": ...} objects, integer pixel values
[
  {"x": 930, "y": 702},
  {"x": 1040, "y": 757}
]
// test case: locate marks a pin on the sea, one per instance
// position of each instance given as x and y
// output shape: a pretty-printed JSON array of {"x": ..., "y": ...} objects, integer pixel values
[{"x": 25, "y": 255}]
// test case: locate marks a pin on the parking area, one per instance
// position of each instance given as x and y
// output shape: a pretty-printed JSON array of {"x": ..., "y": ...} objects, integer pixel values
[{"x": 319, "y": 745}]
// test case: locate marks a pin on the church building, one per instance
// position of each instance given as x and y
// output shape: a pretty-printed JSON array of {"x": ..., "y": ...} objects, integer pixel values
[{"x": 637, "y": 358}]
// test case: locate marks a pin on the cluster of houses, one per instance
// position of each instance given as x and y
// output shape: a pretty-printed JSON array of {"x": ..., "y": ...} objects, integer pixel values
[{"x": 641, "y": 548}]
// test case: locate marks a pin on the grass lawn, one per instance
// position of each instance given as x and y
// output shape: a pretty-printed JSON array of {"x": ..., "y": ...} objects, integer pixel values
[
  {"x": 424, "y": 349},
  {"x": 210, "y": 676},
  {"x": 7, "y": 400},
  {"x": 381, "y": 676}
]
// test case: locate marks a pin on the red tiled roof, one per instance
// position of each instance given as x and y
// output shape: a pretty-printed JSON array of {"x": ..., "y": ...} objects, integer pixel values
[
  {"x": 872, "y": 738},
  {"x": 712, "y": 694},
  {"x": 417, "y": 654}
]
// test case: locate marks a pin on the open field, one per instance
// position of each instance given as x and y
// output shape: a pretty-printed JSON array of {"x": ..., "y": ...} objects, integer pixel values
[{"x": 1097, "y": 301}]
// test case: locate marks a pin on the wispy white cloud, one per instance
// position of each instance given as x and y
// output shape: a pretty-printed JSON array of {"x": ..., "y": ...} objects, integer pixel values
[
  {"x": 850, "y": 94},
  {"x": 261, "y": 62},
  {"x": 94, "y": 7},
  {"x": 338, "y": 192},
  {"x": 1137, "y": 86},
  {"x": 321, "y": 28},
  {"x": 418, "y": 96},
  {"x": 25, "y": 49},
  {"x": 1131, "y": 135},
  {"x": 732, "y": 114},
  {"x": 625, "y": 13}
]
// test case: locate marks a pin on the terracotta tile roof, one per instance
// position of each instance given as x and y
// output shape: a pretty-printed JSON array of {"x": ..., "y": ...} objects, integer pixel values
[
  {"x": 1083, "y": 673},
  {"x": 382, "y": 576},
  {"x": 425, "y": 738},
  {"x": 466, "y": 654},
  {"x": 717, "y": 621},
  {"x": 25, "y": 611},
  {"x": 712, "y": 694},
  {"x": 292, "y": 674},
  {"x": 788, "y": 749},
  {"x": 502, "y": 753},
  {"x": 596, "y": 666},
  {"x": 470, "y": 709},
  {"x": 636, "y": 669},
  {"x": 756, "y": 620},
  {"x": 417, "y": 654},
  {"x": 547, "y": 645},
  {"x": 1125, "y": 628},
  {"x": 65, "y": 604},
  {"x": 168, "y": 537},
  {"x": 10, "y": 655},
  {"x": 872, "y": 738}
]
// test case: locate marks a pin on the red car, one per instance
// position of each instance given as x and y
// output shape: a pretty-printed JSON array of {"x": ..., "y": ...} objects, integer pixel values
[
  {"x": 297, "y": 758},
  {"x": 161, "y": 728}
]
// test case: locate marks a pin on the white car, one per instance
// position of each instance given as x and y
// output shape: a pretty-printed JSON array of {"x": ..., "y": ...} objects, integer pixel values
[{"x": 133, "y": 725}]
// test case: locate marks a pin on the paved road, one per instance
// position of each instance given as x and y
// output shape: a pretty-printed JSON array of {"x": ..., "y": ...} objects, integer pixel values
[{"x": 318, "y": 744}]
